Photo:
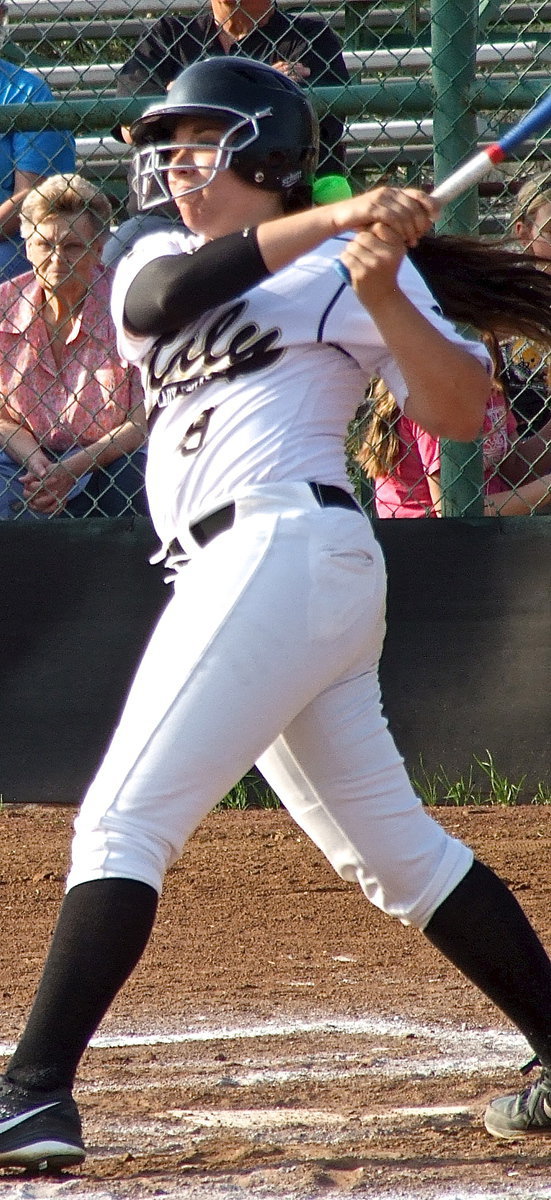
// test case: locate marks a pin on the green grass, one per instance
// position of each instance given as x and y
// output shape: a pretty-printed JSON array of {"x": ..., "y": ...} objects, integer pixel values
[
  {"x": 486, "y": 786},
  {"x": 483, "y": 784},
  {"x": 250, "y": 792}
]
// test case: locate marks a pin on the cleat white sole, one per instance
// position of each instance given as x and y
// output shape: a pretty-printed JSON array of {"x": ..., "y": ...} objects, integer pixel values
[{"x": 43, "y": 1156}]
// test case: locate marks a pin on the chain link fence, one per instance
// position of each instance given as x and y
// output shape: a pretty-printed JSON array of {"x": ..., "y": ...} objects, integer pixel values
[{"x": 404, "y": 93}]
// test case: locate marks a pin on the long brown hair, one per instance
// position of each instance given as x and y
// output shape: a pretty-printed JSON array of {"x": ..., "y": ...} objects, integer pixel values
[
  {"x": 484, "y": 285},
  {"x": 498, "y": 292},
  {"x": 377, "y": 441}
]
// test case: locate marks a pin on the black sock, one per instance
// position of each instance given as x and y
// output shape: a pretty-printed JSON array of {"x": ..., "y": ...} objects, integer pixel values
[
  {"x": 102, "y": 931},
  {"x": 482, "y": 929}
]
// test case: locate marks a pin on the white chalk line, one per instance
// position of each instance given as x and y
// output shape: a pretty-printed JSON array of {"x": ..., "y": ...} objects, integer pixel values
[
  {"x": 53, "y": 1190},
  {"x": 474, "y": 1050},
  {"x": 315, "y": 1071},
  {"x": 488, "y": 1047},
  {"x": 266, "y": 1120},
  {"x": 450, "y": 1050}
]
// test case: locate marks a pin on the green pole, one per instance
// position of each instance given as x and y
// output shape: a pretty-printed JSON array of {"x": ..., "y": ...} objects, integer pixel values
[
  {"x": 385, "y": 99},
  {"x": 453, "y": 39}
]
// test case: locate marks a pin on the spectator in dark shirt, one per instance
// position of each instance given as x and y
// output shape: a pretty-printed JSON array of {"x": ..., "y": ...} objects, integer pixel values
[{"x": 301, "y": 45}]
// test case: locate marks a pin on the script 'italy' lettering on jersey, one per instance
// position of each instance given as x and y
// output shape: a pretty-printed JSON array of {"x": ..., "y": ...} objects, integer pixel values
[
  {"x": 226, "y": 346},
  {"x": 307, "y": 349}
]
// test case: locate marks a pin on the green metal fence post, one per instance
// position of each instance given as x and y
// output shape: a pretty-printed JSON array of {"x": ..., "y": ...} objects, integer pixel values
[{"x": 454, "y": 25}]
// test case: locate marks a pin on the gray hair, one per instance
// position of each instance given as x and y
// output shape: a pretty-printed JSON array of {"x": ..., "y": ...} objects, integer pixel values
[{"x": 65, "y": 196}]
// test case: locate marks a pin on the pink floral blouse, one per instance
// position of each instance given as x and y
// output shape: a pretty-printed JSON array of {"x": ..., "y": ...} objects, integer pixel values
[{"x": 92, "y": 394}]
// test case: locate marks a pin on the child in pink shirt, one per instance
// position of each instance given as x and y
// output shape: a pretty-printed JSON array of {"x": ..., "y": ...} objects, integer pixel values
[{"x": 404, "y": 462}]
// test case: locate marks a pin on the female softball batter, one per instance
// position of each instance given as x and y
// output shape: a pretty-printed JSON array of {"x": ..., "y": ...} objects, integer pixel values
[{"x": 255, "y": 356}]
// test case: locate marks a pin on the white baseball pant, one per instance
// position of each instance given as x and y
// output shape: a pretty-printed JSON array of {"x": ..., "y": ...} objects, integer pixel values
[{"x": 268, "y": 653}]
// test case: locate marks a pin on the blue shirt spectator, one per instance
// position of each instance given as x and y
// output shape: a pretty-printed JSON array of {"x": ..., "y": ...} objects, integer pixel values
[{"x": 25, "y": 159}]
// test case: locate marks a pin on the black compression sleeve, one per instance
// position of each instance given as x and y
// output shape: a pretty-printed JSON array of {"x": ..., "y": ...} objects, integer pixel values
[{"x": 171, "y": 292}]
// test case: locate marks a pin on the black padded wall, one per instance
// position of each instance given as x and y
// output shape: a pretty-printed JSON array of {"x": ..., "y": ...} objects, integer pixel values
[{"x": 466, "y": 666}]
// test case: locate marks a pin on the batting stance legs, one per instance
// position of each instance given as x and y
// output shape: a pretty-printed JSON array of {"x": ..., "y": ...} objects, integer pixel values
[
  {"x": 235, "y": 673},
  {"x": 268, "y": 652}
]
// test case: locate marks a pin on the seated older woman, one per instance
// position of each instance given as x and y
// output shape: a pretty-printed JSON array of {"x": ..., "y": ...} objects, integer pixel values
[{"x": 72, "y": 422}]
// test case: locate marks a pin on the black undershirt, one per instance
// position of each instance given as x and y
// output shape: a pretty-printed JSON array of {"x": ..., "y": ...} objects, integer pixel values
[{"x": 176, "y": 289}]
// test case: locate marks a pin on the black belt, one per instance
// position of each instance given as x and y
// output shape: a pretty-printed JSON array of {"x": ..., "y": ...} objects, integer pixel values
[{"x": 326, "y": 494}]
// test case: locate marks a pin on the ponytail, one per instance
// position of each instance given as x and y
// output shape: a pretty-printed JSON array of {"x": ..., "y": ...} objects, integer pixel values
[
  {"x": 486, "y": 286},
  {"x": 500, "y": 293},
  {"x": 379, "y": 446}
]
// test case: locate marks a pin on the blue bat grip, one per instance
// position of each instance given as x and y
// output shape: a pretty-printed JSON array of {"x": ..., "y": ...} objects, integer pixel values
[
  {"x": 341, "y": 270},
  {"x": 533, "y": 122}
]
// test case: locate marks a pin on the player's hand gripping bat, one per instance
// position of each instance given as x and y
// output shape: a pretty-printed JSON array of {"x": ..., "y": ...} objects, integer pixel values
[{"x": 480, "y": 165}]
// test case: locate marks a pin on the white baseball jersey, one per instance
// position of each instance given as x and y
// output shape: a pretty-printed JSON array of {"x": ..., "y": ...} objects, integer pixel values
[
  {"x": 260, "y": 389},
  {"x": 268, "y": 648}
]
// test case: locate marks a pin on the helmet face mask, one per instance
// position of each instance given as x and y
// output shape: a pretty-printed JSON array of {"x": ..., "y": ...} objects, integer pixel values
[
  {"x": 153, "y": 163},
  {"x": 265, "y": 131}
]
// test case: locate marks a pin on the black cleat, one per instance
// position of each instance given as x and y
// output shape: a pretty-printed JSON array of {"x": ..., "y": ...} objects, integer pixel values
[
  {"x": 40, "y": 1131},
  {"x": 527, "y": 1112}
]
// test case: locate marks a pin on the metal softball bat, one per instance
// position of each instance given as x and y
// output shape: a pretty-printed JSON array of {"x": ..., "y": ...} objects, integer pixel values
[{"x": 480, "y": 165}]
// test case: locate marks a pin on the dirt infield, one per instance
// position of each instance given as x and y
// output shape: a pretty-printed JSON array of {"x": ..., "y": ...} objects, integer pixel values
[{"x": 281, "y": 1039}]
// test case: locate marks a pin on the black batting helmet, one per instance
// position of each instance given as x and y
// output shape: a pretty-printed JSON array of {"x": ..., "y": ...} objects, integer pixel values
[{"x": 270, "y": 130}]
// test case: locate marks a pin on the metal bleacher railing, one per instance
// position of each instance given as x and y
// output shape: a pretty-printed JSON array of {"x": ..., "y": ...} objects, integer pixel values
[
  {"x": 78, "y": 46},
  {"x": 427, "y": 83}
]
